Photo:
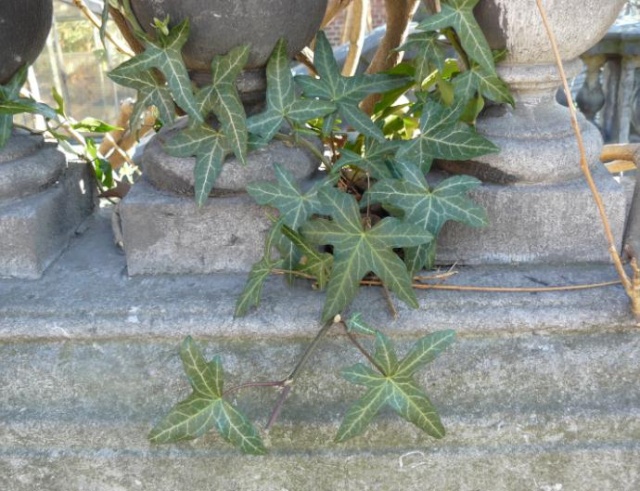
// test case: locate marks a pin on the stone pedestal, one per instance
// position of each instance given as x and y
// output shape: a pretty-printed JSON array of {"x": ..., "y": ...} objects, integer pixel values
[
  {"x": 165, "y": 232},
  {"x": 43, "y": 200},
  {"x": 540, "y": 207}
]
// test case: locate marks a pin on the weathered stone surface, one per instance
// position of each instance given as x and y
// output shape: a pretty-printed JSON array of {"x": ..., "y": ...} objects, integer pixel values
[
  {"x": 35, "y": 229},
  {"x": 538, "y": 223},
  {"x": 166, "y": 233},
  {"x": 537, "y": 393}
]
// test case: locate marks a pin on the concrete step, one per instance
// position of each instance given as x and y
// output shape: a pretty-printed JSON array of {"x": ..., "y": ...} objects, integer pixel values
[{"x": 539, "y": 392}]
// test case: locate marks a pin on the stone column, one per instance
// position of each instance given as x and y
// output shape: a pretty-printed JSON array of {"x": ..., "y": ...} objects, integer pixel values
[
  {"x": 163, "y": 229},
  {"x": 539, "y": 205}
]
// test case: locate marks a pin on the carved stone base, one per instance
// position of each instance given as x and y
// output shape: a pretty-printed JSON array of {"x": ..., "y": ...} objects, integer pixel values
[
  {"x": 34, "y": 230},
  {"x": 538, "y": 223},
  {"x": 165, "y": 233}
]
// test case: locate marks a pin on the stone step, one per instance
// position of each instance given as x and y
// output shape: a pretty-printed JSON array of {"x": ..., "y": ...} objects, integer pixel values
[{"x": 539, "y": 391}]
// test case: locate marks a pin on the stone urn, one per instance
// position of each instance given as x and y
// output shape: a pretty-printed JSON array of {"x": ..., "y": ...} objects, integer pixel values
[
  {"x": 24, "y": 27},
  {"x": 531, "y": 73},
  {"x": 539, "y": 206},
  {"x": 217, "y": 26}
]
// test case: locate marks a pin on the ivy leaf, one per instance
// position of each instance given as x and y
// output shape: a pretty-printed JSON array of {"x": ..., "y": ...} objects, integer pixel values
[
  {"x": 362, "y": 412},
  {"x": 151, "y": 93},
  {"x": 252, "y": 292},
  {"x": 430, "y": 53},
  {"x": 395, "y": 387},
  {"x": 311, "y": 262},
  {"x": 205, "y": 378},
  {"x": 210, "y": 147},
  {"x": 11, "y": 103},
  {"x": 165, "y": 54},
  {"x": 345, "y": 92},
  {"x": 294, "y": 206},
  {"x": 424, "y": 351},
  {"x": 358, "y": 250},
  {"x": 282, "y": 105},
  {"x": 487, "y": 84},
  {"x": 429, "y": 209},
  {"x": 406, "y": 399},
  {"x": 221, "y": 97},
  {"x": 205, "y": 408},
  {"x": 443, "y": 136},
  {"x": 376, "y": 158},
  {"x": 357, "y": 324},
  {"x": 458, "y": 14},
  {"x": 385, "y": 354},
  {"x": 236, "y": 429}
]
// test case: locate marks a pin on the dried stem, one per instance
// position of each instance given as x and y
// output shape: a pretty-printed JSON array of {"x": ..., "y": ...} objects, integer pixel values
[
  {"x": 97, "y": 23},
  {"x": 615, "y": 256}
]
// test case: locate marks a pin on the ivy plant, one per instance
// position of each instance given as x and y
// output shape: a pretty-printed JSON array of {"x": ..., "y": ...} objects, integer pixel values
[{"x": 374, "y": 214}]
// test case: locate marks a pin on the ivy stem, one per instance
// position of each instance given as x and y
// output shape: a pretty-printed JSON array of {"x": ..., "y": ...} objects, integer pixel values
[
  {"x": 288, "y": 382},
  {"x": 361, "y": 349}
]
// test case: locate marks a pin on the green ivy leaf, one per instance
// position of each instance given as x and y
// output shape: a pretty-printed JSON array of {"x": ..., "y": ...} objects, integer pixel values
[
  {"x": 429, "y": 209},
  {"x": 210, "y": 147},
  {"x": 205, "y": 378},
  {"x": 407, "y": 399},
  {"x": 385, "y": 355},
  {"x": 151, "y": 93},
  {"x": 358, "y": 250},
  {"x": 236, "y": 428},
  {"x": 252, "y": 292},
  {"x": 376, "y": 158},
  {"x": 165, "y": 54},
  {"x": 430, "y": 53},
  {"x": 345, "y": 92},
  {"x": 221, "y": 97},
  {"x": 477, "y": 80},
  {"x": 311, "y": 262},
  {"x": 357, "y": 324},
  {"x": 395, "y": 387},
  {"x": 282, "y": 105},
  {"x": 458, "y": 14},
  {"x": 443, "y": 136},
  {"x": 424, "y": 351},
  {"x": 11, "y": 103},
  {"x": 205, "y": 407}
]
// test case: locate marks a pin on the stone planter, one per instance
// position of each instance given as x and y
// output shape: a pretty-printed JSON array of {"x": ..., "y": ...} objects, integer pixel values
[
  {"x": 540, "y": 208},
  {"x": 23, "y": 32},
  {"x": 42, "y": 199},
  {"x": 163, "y": 230}
]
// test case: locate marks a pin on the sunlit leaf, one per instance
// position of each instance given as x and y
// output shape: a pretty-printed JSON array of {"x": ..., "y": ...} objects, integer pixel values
[{"x": 424, "y": 351}]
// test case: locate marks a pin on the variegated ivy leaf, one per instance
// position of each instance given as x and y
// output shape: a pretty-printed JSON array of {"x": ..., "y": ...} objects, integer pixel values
[
  {"x": 252, "y": 292},
  {"x": 345, "y": 92},
  {"x": 394, "y": 386},
  {"x": 428, "y": 208},
  {"x": 430, "y": 53},
  {"x": 209, "y": 146},
  {"x": 311, "y": 261},
  {"x": 443, "y": 136},
  {"x": 295, "y": 207},
  {"x": 478, "y": 80},
  {"x": 205, "y": 408},
  {"x": 165, "y": 54},
  {"x": 11, "y": 103},
  {"x": 151, "y": 93},
  {"x": 458, "y": 14},
  {"x": 282, "y": 104},
  {"x": 376, "y": 158},
  {"x": 222, "y": 99},
  {"x": 358, "y": 250}
]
